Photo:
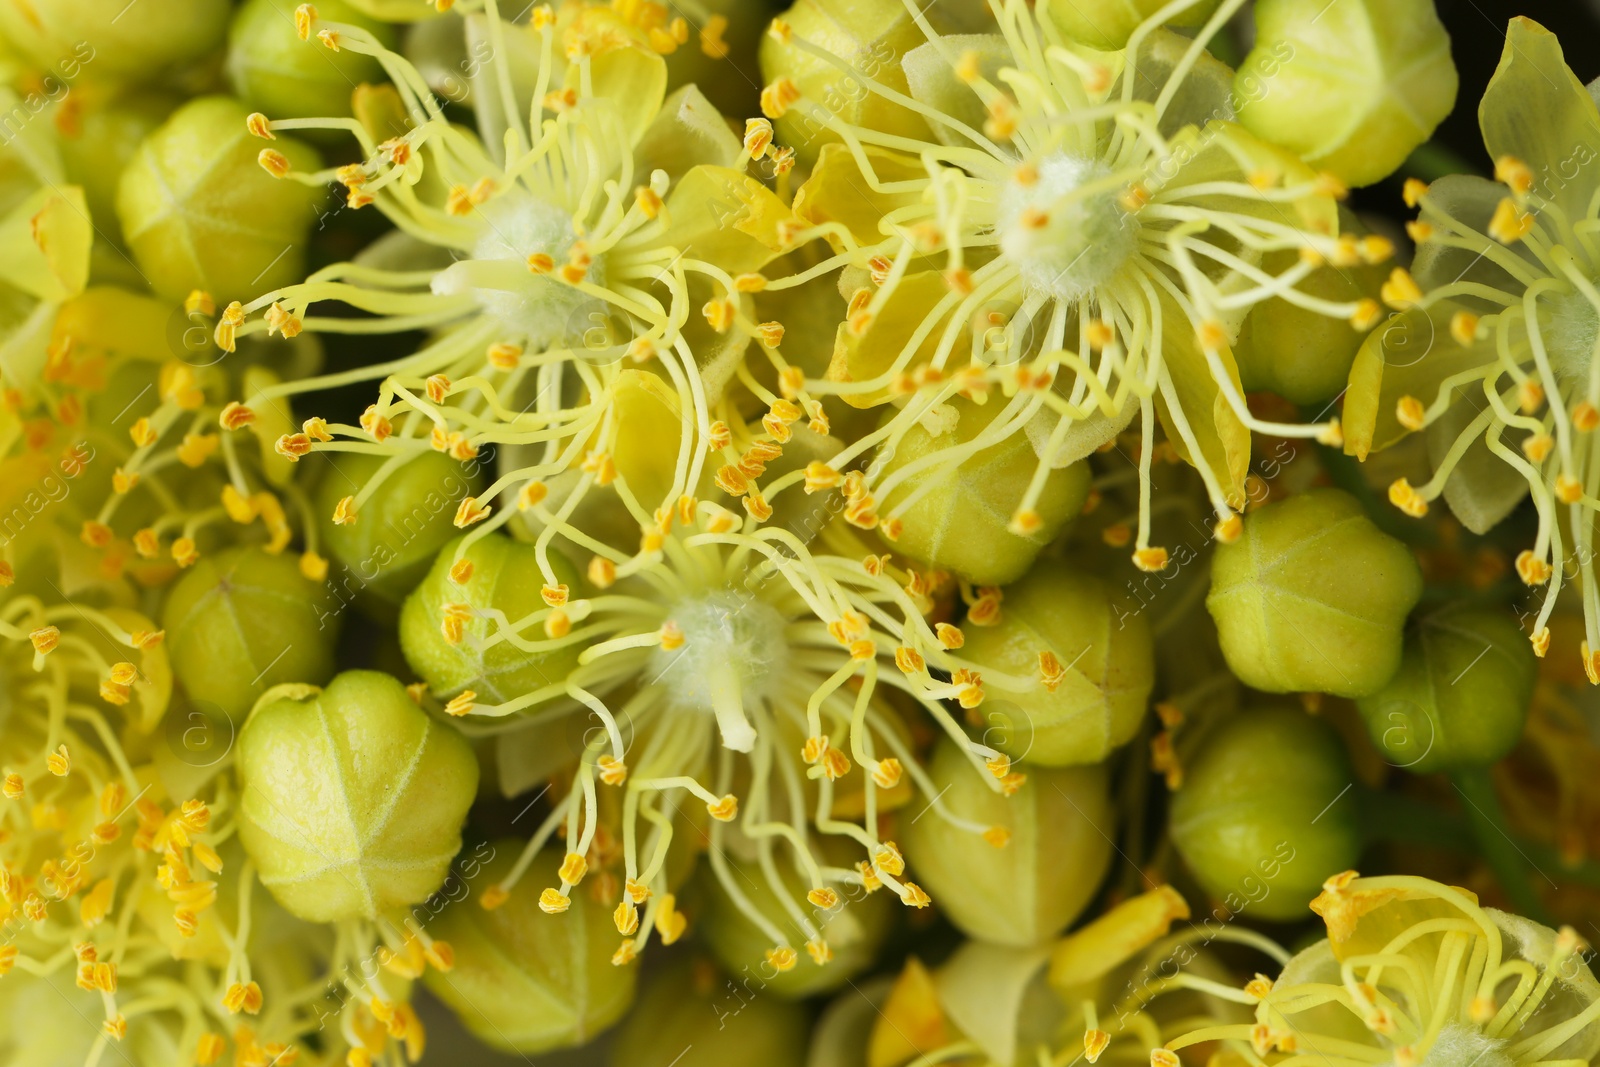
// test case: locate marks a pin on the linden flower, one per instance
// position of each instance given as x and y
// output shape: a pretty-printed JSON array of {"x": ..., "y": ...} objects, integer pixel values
[
  {"x": 542, "y": 252},
  {"x": 1418, "y": 973},
  {"x": 721, "y": 638},
  {"x": 1109, "y": 992},
  {"x": 1083, "y": 233},
  {"x": 169, "y": 462},
  {"x": 45, "y": 236},
  {"x": 1495, "y": 361},
  {"x": 105, "y": 881}
]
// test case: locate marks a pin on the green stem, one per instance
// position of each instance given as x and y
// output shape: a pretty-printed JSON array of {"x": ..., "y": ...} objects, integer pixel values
[{"x": 1488, "y": 822}]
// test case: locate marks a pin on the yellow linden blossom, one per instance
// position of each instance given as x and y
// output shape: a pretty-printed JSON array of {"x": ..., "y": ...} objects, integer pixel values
[
  {"x": 1418, "y": 973},
  {"x": 1495, "y": 363},
  {"x": 584, "y": 229},
  {"x": 1082, "y": 233},
  {"x": 1108, "y": 988},
  {"x": 746, "y": 663}
]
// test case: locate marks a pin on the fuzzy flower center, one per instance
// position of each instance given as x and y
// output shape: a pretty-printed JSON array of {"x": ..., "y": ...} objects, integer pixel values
[
  {"x": 538, "y": 306},
  {"x": 1063, "y": 227},
  {"x": 734, "y": 653}
]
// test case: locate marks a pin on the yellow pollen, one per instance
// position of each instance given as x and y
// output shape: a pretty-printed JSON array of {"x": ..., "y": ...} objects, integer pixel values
[
  {"x": 886, "y": 775},
  {"x": 949, "y": 636},
  {"x": 724, "y": 810},
  {"x": 1540, "y": 641},
  {"x": 554, "y": 902},
  {"x": 782, "y": 958},
  {"x": 824, "y": 898},
  {"x": 997, "y": 836}
]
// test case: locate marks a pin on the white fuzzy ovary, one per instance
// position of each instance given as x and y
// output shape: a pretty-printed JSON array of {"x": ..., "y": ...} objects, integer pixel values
[
  {"x": 734, "y": 656},
  {"x": 541, "y": 308},
  {"x": 1088, "y": 235}
]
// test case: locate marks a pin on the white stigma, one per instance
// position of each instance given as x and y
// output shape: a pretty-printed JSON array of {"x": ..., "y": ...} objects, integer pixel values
[
  {"x": 734, "y": 654},
  {"x": 544, "y": 310},
  {"x": 1065, "y": 239}
]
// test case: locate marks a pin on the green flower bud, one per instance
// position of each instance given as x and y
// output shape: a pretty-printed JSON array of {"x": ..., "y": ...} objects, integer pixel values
[
  {"x": 1305, "y": 356},
  {"x": 401, "y": 527},
  {"x": 1096, "y": 699},
  {"x": 1312, "y": 597},
  {"x": 199, "y": 211},
  {"x": 1107, "y": 24},
  {"x": 107, "y": 136},
  {"x": 240, "y": 622},
  {"x": 964, "y": 504},
  {"x": 1461, "y": 695},
  {"x": 692, "y": 1015},
  {"x": 870, "y": 37},
  {"x": 854, "y": 929},
  {"x": 505, "y": 578},
  {"x": 525, "y": 981},
  {"x": 351, "y": 797},
  {"x": 1350, "y": 87},
  {"x": 274, "y": 71},
  {"x": 1257, "y": 808},
  {"x": 112, "y": 39},
  {"x": 1053, "y": 848}
]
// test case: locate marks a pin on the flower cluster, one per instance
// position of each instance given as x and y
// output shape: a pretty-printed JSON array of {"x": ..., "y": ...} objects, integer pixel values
[{"x": 859, "y": 495}]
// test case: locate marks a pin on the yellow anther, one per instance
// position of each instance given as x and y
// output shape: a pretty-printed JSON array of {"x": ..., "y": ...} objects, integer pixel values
[
  {"x": 1410, "y": 413},
  {"x": 1530, "y": 396},
  {"x": 1540, "y": 641},
  {"x": 469, "y": 512},
  {"x": 1532, "y": 569},
  {"x": 949, "y": 636},
  {"x": 778, "y": 97},
  {"x": 554, "y": 902},
  {"x": 1367, "y": 314},
  {"x": 997, "y": 836},
  {"x": 724, "y": 810},
  {"x": 1150, "y": 560},
  {"x": 59, "y": 762},
  {"x": 273, "y": 162},
  {"x": 1510, "y": 223},
  {"x": 886, "y": 775},
  {"x": 1413, "y": 191},
  {"x": 1400, "y": 291},
  {"x": 1515, "y": 174}
]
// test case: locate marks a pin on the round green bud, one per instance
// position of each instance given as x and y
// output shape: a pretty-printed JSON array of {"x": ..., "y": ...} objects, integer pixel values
[
  {"x": 692, "y": 1015},
  {"x": 1259, "y": 818},
  {"x": 525, "y": 981},
  {"x": 1313, "y": 597},
  {"x": 242, "y": 621},
  {"x": 200, "y": 211},
  {"x": 505, "y": 577},
  {"x": 106, "y": 138},
  {"x": 855, "y": 928},
  {"x": 1053, "y": 848},
  {"x": 351, "y": 797},
  {"x": 1108, "y": 665},
  {"x": 1461, "y": 695},
  {"x": 1305, "y": 356},
  {"x": 1351, "y": 88},
  {"x": 962, "y": 517},
  {"x": 273, "y": 71},
  {"x": 113, "y": 40},
  {"x": 871, "y": 37},
  {"x": 400, "y": 528},
  {"x": 1107, "y": 24}
]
